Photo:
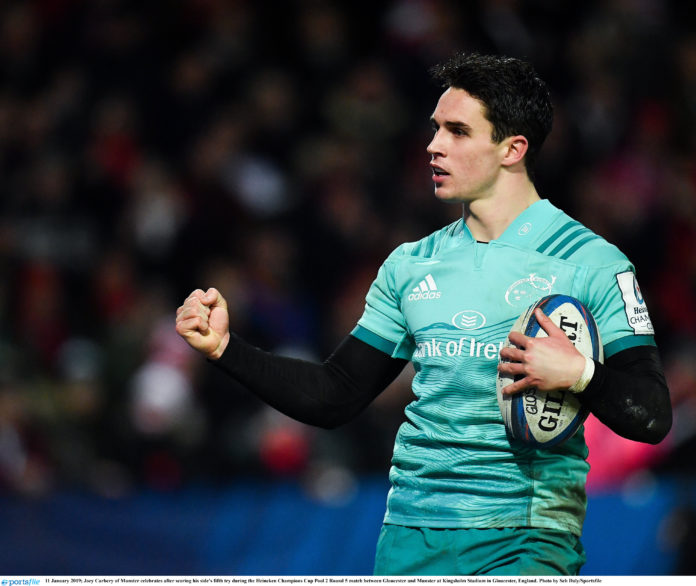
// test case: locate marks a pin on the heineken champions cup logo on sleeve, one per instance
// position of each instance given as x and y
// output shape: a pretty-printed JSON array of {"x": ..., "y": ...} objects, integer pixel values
[{"x": 636, "y": 310}]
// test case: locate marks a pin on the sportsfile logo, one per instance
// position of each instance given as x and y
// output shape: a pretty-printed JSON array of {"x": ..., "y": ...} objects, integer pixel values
[
  {"x": 427, "y": 289},
  {"x": 20, "y": 582}
]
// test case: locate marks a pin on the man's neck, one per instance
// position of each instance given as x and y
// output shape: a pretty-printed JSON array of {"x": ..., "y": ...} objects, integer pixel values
[{"x": 488, "y": 218}]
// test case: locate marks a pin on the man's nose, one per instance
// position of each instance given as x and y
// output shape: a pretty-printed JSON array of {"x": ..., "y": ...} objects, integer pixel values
[{"x": 435, "y": 145}]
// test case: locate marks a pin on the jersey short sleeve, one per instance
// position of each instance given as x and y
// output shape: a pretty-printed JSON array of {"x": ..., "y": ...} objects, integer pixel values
[
  {"x": 616, "y": 302},
  {"x": 382, "y": 324}
]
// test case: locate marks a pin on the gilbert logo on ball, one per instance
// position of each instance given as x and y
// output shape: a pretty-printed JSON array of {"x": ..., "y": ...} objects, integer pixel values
[{"x": 542, "y": 419}]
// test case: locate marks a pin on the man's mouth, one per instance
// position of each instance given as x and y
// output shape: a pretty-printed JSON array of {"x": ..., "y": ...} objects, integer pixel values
[{"x": 438, "y": 172}]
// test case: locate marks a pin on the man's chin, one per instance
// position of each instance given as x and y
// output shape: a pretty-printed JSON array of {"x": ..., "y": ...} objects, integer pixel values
[{"x": 446, "y": 197}]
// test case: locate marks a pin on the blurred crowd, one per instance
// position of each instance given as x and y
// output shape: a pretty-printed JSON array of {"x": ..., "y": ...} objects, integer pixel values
[{"x": 276, "y": 151}]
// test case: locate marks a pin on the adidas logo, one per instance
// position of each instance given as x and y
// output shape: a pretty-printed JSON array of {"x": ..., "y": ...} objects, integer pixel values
[{"x": 427, "y": 289}]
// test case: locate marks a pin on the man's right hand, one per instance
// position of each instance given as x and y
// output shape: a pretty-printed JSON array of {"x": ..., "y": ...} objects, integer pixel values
[{"x": 203, "y": 321}]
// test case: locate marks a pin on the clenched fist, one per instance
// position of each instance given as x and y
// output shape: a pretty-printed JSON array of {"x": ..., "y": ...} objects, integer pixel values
[{"x": 203, "y": 321}]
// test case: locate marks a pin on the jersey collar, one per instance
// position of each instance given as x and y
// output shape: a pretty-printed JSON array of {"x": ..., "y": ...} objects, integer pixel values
[{"x": 525, "y": 229}]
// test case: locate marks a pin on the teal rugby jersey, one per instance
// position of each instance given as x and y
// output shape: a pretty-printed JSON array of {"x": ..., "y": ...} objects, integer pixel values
[{"x": 447, "y": 304}]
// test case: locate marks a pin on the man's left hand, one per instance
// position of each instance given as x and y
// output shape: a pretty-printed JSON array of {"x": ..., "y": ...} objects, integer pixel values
[{"x": 546, "y": 363}]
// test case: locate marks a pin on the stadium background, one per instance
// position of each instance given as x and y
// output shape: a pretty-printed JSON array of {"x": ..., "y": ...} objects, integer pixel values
[{"x": 276, "y": 150}]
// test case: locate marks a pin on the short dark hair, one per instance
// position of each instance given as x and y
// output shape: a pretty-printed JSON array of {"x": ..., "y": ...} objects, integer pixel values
[{"x": 515, "y": 99}]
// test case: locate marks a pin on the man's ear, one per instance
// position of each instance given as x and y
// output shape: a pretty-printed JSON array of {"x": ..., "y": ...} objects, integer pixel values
[{"x": 515, "y": 150}]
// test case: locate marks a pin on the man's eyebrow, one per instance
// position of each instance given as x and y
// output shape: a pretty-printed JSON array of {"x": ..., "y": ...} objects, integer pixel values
[{"x": 451, "y": 125}]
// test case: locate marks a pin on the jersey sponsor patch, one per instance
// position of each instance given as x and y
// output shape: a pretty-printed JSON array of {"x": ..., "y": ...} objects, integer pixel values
[
  {"x": 469, "y": 319},
  {"x": 636, "y": 310}
]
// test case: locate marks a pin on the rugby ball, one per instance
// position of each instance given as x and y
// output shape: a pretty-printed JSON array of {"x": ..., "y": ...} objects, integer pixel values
[{"x": 540, "y": 419}]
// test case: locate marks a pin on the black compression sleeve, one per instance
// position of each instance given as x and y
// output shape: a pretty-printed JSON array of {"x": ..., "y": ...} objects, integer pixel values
[
  {"x": 327, "y": 394},
  {"x": 629, "y": 395}
]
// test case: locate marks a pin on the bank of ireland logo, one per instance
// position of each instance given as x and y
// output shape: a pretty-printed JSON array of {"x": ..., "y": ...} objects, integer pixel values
[
  {"x": 526, "y": 291},
  {"x": 469, "y": 319}
]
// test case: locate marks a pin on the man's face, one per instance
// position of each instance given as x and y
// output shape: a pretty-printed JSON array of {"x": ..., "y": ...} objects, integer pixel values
[{"x": 464, "y": 159}]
